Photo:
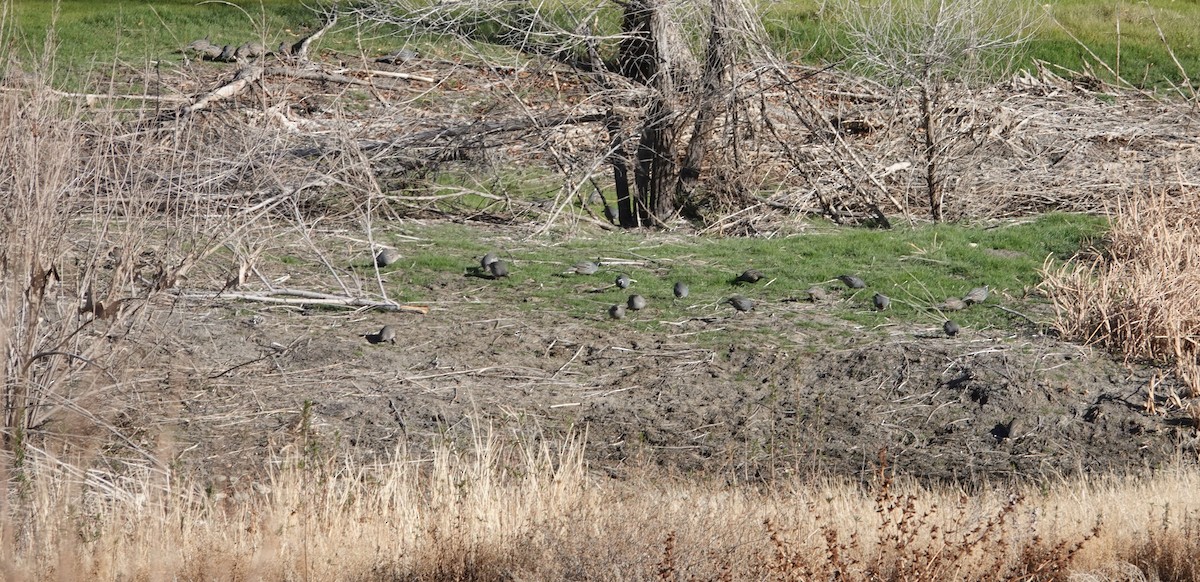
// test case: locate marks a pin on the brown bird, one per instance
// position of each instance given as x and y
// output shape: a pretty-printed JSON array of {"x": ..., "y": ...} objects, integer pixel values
[
  {"x": 952, "y": 304},
  {"x": 817, "y": 294},
  {"x": 749, "y": 276},
  {"x": 740, "y": 303},
  {"x": 583, "y": 268},
  {"x": 976, "y": 295}
]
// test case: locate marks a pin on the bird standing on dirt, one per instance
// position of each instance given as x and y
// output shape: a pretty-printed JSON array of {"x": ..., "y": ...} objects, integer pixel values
[
  {"x": 749, "y": 276},
  {"x": 976, "y": 295},
  {"x": 386, "y": 333},
  {"x": 817, "y": 294},
  {"x": 487, "y": 260},
  {"x": 636, "y": 302},
  {"x": 622, "y": 281},
  {"x": 881, "y": 301},
  {"x": 617, "y": 311},
  {"x": 852, "y": 282},
  {"x": 950, "y": 328},
  {"x": 740, "y": 303},
  {"x": 386, "y": 257},
  {"x": 497, "y": 269},
  {"x": 680, "y": 290}
]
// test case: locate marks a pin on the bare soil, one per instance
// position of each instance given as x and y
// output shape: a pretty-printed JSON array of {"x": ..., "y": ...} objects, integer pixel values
[{"x": 225, "y": 388}]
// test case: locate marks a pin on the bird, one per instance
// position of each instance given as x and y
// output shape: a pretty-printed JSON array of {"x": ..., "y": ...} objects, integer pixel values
[
  {"x": 497, "y": 269},
  {"x": 817, "y": 294},
  {"x": 740, "y": 303},
  {"x": 680, "y": 290},
  {"x": 881, "y": 301},
  {"x": 852, "y": 282},
  {"x": 583, "y": 268},
  {"x": 976, "y": 295},
  {"x": 952, "y": 304},
  {"x": 386, "y": 333},
  {"x": 386, "y": 257},
  {"x": 622, "y": 281},
  {"x": 617, "y": 311},
  {"x": 610, "y": 212},
  {"x": 636, "y": 302},
  {"x": 487, "y": 259},
  {"x": 950, "y": 328},
  {"x": 749, "y": 276}
]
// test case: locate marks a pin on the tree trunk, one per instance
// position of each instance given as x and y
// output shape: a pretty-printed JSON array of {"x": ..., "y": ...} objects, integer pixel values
[
  {"x": 933, "y": 182},
  {"x": 715, "y": 87}
]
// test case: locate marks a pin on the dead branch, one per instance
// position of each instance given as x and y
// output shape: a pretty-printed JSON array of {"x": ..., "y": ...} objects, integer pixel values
[
  {"x": 241, "y": 80},
  {"x": 302, "y": 297}
]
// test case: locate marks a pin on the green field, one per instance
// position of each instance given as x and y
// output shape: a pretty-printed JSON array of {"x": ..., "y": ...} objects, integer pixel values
[{"x": 89, "y": 33}]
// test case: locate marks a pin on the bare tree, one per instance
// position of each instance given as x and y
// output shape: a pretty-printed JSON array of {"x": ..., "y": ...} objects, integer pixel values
[
  {"x": 662, "y": 71},
  {"x": 936, "y": 49}
]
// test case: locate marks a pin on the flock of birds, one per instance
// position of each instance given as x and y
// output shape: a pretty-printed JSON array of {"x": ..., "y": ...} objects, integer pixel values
[{"x": 493, "y": 267}]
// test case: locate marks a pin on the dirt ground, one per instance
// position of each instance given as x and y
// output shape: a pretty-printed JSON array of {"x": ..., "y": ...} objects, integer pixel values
[
  {"x": 221, "y": 387},
  {"x": 224, "y": 389}
]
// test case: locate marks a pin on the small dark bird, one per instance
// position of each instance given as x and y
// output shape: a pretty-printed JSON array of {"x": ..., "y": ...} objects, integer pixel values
[
  {"x": 817, "y": 294},
  {"x": 749, "y": 276},
  {"x": 740, "y": 303},
  {"x": 622, "y": 281},
  {"x": 610, "y": 212},
  {"x": 386, "y": 333},
  {"x": 680, "y": 290},
  {"x": 497, "y": 269},
  {"x": 617, "y": 311},
  {"x": 636, "y": 302},
  {"x": 487, "y": 259},
  {"x": 583, "y": 268},
  {"x": 881, "y": 301},
  {"x": 386, "y": 257},
  {"x": 950, "y": 328},
  {"x": 852, "y": 282},
  {"x": 976, "y": 295}
]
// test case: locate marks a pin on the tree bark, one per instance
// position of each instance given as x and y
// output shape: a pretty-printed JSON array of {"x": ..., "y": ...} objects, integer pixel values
[{"x": 715, "y": 87}]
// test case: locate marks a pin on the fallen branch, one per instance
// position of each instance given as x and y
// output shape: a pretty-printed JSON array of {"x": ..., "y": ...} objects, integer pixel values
[
  {"x": 302, "y": 297},
  {"x": 241, "y": 80}
]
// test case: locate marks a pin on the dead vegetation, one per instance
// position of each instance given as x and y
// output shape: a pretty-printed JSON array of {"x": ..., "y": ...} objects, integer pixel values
[
  {"x": 1139, "y": 295},
  {"x": 486, "y": 511}
]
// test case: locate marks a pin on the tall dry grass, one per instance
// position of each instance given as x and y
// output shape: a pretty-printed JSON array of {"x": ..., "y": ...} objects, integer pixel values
[
  {"x": 507, "y": 510},
  {"x": 1140, "y": 297}
]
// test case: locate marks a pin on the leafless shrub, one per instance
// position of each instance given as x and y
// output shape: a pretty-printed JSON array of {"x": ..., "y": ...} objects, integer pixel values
[{"x": 937, "y": 50}]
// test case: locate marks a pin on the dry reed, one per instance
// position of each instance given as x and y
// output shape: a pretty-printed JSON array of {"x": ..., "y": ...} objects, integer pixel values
[{"x": 1139, "y": 297}]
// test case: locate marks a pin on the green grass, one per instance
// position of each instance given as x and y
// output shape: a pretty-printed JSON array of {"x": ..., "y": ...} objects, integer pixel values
[
  {"x": 799, "y": 28},
  {"x": 917, "y": 267},
  {"x": 93, "y": 33}
]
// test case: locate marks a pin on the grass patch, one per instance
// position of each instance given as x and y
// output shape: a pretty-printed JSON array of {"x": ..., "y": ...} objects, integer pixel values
[{"x": 917, "y": 267}]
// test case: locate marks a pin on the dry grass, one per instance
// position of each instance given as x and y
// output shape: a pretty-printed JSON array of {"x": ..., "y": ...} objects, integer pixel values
[
  {"x": 496, "y": 511},
  {"x": 1140, "y": 298}
]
